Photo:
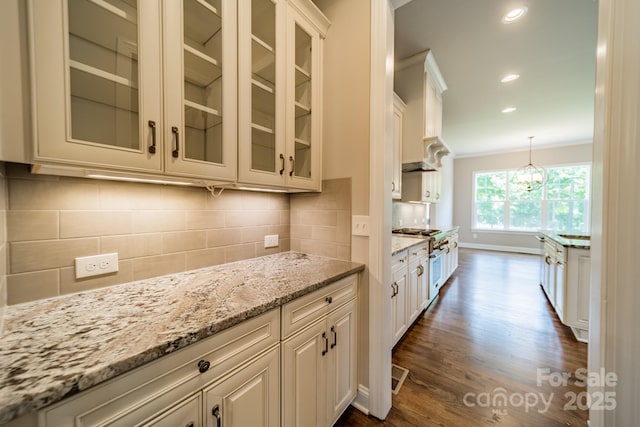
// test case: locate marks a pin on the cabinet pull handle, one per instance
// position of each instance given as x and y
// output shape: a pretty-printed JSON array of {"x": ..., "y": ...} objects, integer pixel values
[
  {"x": 393, "y": 186},
  {"x": 394, "y": 286},
  {"x": 216, "y": 413},
  {"x": 335, "y": 337},
  {"x": 203, "y": 366},
  {"x": 281, "y": 164},
  {"x": 329, "y": 299},
  {"x": 293, "y": 165},
  {"x": 427, "y": 193},
  {"x": 326, "y": 343},
  {"x": 191, "y": 424},
  {"x": 437, "y": 196},
  {"x": 420, "y": 270},
  {"x": 152, "y": 147},
  {"x": 175, "y": 131}
]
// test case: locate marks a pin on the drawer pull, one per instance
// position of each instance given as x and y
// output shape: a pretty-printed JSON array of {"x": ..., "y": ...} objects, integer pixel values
[
  {"x": 203, "y": 366},
  {"x": 326, "y": 343},
  {"x": 216, "y": 413},
  {"x": 329, "y": 300},
  {"x": 335, "y": 337}
]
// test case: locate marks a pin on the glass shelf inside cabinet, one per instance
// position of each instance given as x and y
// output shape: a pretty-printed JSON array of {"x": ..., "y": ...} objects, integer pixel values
[
  {"x": 103, "y": 72},
  {"x": 263, "y": 85},
  {"x": 303, "y": 78},
  {"x": 202, "y": 59}
]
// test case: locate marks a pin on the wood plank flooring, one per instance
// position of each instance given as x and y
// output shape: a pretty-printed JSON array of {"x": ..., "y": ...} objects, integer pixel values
[{"x": 486, "y": 337}]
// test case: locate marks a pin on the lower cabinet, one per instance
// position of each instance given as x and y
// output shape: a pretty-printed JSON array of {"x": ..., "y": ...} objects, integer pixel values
[
  {"x": 295, "y": 365},
  {"x": 246, "y": 397},
  {"x": 399, "y": 300},
  {"x": 174, "y": 387},
  {"x": 319, "y": 377}
]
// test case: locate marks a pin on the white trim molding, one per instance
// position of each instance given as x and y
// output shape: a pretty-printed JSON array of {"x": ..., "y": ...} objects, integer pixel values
[{"x": 361, "y": 402}]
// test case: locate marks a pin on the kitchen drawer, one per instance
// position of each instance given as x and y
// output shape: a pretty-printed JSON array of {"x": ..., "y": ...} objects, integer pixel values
[
  {"x": 417, "y": 252},
  {"x": 149, "y": 390},
  {"x": 400, "y": 260},
  {"x": 187, "y": 413},
  {"x": 305, "y": 310}
]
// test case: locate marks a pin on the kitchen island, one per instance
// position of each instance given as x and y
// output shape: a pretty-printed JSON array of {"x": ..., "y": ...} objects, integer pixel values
[
  {"x": 565, "y": 278},
  {"x": 55, "y": 348}
]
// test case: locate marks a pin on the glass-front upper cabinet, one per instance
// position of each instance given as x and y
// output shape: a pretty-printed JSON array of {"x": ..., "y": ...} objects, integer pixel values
[
  {"x": 200, "y": 88},
  {"x": 260, "y": 92},
  {"x": 279, "y": 88},
  {"x": 97, "y": 82},
  {"x": 137, "y": 85},
  {"x": 304, "y": 91}
]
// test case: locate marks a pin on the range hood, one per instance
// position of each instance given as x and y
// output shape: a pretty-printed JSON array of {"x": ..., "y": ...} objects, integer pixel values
[
  {"x": 433, "y": 150},
  {"x": 419, "y": 83}
]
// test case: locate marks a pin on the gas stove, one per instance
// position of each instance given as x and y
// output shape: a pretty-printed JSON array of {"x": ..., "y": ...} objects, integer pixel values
[{"x": 436, "y": 237}]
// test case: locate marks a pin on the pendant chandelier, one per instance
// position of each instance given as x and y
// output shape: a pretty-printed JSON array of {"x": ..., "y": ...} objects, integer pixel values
[{"x": 530, "y": 177}]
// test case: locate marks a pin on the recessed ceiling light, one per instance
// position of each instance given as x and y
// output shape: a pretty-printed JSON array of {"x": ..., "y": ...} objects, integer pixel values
[
  {"x": 510, "y": 78},
  {"x": 509, "y": 110},
  {"x": 514, "y": 15}
]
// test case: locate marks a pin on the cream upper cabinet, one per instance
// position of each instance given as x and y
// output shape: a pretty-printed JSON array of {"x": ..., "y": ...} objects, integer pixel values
[
  {"x": 200, "y": 80},
  {"x": 280, "y": 93},
  {"x": 398, "y": 114},
  {"x": 101, "y": 99}
]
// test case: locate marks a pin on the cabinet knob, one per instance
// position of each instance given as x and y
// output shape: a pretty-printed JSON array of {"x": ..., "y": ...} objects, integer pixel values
[
  {"x": 203, "y": 366},
  {"x": 329, "y": 300}
]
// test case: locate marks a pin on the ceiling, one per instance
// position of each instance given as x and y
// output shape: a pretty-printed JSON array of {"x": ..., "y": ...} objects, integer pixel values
[{"x": 553, "y": 48}]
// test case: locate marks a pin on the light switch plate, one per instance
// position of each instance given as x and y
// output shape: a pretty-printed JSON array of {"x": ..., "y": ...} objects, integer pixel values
[
  {"x": 96, "y": 265},
  {"x": 360, "y": 225}
]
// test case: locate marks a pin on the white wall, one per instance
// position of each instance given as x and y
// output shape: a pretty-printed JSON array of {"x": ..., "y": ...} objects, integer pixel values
[
  {"x": 346, "y": 135},
  {"x": 463, "y": 180}
]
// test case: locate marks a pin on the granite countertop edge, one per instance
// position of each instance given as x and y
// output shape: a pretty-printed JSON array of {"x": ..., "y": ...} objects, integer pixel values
[
  {"x": 568, "y": 243},
  {"x": 12, "y": 407}
]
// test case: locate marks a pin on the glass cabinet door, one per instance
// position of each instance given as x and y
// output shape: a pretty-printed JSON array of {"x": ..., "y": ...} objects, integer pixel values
[
  {"x": 262, "y": 157},
  {"x": 103, "y": 72},
  {"x": 304, "y": 100},
  {"x": 200, "y": 87},
  {"x": 93, "y": 63}
]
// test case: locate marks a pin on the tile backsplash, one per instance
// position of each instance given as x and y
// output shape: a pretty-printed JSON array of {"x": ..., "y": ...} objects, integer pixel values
[
  {"x": 155, "y": 229},
  {"x": 411, "y": 215},
  {"x": 321, "y": 222}
]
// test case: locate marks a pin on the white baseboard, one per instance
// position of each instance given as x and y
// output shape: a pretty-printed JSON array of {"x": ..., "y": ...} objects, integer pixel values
[
  {"x": 515, "y": 249},
  {"x": 361, "y": 402}
]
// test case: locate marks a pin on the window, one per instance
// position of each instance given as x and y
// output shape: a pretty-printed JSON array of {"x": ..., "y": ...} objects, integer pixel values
[{"x": 562, "y": 204}]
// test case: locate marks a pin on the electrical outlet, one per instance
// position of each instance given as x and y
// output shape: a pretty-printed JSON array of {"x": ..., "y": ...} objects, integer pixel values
[
  {"x": 95, "y": 265},
  {"x": 271, "y": 241}
]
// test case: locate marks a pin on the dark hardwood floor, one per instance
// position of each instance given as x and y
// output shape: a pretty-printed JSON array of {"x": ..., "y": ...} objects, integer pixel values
[{"x": 485, "y": 338}]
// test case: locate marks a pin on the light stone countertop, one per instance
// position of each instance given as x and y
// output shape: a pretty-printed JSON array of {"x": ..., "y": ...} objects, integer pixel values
[
  {"x": 568, "y": 242},
  {"x": 53, "y": 348},
  {"x": 400, "y": 243}
]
